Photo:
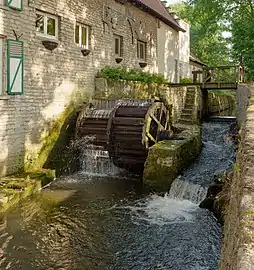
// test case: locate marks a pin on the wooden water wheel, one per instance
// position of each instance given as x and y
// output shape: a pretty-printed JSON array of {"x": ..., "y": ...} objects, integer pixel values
[
  {"x": 93, "y": 122},
  {"x": 126, "y": 128},
  {"x": 133, "y": 130}
]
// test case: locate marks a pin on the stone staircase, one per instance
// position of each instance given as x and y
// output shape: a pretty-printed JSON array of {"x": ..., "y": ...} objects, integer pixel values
[{"x": 187, "y": 112}]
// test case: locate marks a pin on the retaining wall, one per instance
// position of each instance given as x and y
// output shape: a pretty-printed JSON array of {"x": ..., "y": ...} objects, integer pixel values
[
  {"x": 238, "y": 243},
  {"x": 218, "y": 103},
  {"x": 114, "y": 89}
]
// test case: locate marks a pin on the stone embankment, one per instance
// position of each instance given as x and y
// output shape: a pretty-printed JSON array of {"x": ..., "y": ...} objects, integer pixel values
[
  {"x": 218, "y": 103},
  {"x": 169, "y": 158},
  {"x": 15, "y": 188},
  {"x": 238, "y": 243}
]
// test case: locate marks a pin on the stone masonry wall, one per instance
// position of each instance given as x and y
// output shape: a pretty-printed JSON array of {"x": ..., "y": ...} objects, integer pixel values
[
  {"x": 55, "y": 79},
  {"x": 238, "y": 243},
  {"x": 115, "y": 89},
  {"x": 218, "y": 103}
]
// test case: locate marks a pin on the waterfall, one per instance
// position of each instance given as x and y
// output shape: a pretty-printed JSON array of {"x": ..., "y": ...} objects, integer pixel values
[
  {"x": 95, "y": 161},
  {"x": 184, "y": 190}
]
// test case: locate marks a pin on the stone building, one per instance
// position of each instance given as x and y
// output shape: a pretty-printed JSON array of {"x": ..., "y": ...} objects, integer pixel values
[
  {"x": 50, "y": 53},
  {"x": 197, "y": 65}
]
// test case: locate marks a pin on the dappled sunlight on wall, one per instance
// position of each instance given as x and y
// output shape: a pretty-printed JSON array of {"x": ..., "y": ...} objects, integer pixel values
[
  {"x": 168, "y": 51},
  {"x": 63, "y": 94},
  {"x": 4, "y": 146}
]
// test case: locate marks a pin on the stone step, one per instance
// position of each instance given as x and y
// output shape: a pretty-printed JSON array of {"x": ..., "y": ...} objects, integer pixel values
[
  {"x": 185, "y": 122},
  {"x": 186, "y": 116},
  {"x": 190, "y": 98},
  {"x": 188, "y": 105},
  {"x": 188, "y": 111},
  {"x": 190, "y": 94}
]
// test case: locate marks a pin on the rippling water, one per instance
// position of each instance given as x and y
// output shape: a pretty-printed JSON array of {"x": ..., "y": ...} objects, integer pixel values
[{"x": 91, "y": 222}]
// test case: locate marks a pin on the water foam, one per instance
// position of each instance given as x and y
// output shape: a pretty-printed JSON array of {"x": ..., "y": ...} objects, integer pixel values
[
  {"x": 184, "y": 190},
  {"x": 96, "y": 161}
]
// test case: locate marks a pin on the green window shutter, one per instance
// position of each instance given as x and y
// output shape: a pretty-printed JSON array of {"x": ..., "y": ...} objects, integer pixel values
[
  {"x": 15, "y": 67},
  {"x": 16, "y": 4}
]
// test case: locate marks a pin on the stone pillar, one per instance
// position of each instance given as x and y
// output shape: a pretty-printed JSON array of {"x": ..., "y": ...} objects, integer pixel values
[{"x": 205, "y": 109}]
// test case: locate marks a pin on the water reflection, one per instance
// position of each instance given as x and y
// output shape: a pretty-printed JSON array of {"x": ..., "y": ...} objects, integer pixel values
[{"x": 90, "y": 222}]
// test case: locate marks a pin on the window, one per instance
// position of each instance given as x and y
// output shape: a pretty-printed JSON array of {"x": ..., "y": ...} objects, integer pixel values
[
  {"x": 141, "y": 50},
  {"x": 46, "y": 24},
  {"x": 118, "y": 46},
  {"x": 82, "y": 35}
]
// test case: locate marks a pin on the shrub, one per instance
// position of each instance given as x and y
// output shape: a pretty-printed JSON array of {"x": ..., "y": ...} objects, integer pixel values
[
  {"x": 131, "y": 75},
  {"x": 185, "y": 80}
]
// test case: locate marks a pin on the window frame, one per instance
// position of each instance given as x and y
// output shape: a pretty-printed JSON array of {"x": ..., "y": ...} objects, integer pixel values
[
  {"x": 144, "y": 45},
  {"x": 47, "y": 16},
  {"x": 120, "y": 45},
  {"x": 87, "y": 27}
]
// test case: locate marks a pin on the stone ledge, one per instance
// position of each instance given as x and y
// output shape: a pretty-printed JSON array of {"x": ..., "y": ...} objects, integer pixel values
[
  {"x": 167, "y": 159},
  {"x": 15, "y": 188},
  {"x": 238, "y": 243}
]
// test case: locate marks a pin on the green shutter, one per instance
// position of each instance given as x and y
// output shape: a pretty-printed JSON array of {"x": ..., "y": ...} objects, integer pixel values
[
  {"x": 16, "y": 4},
  {"x": 15, "y": 67}
]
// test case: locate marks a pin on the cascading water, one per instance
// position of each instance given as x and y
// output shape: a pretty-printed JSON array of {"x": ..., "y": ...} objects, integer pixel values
[
  {"x": 110, "y": 223},
  {"x": 184, "y": 190},
  {"x": 96, "y": 161}
]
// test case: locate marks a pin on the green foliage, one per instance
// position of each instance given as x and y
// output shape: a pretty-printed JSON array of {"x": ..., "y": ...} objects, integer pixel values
[
  {"x": 186, "y": 80},
  {"x": 207, "y": 41},
  {"x": 131, "y": 75},
  {"x": 223, "y": 92},
  {"x": 210, "y": 19}
]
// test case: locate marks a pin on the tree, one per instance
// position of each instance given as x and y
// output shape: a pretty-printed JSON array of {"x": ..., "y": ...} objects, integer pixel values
[
  {"x": 206, "y": 32},
  {"x": 209, "y": 18}
]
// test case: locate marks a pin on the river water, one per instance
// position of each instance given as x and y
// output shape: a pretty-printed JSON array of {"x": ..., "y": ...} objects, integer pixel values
[{"x": 93, "y": 221}]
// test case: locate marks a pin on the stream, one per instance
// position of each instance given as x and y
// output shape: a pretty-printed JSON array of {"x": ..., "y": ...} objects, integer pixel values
[{"x": 94, "y": 220}]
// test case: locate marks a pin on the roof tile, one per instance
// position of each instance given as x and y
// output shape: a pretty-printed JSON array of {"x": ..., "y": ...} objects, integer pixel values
[{"x": 158, "y": 7}]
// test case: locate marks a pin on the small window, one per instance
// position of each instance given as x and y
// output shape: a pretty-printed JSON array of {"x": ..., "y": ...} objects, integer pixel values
[
  {"x": 118, "y": 46},
  {"x": 82, "y": 35},
  {"x": 46, "y": 24},
  {"x": 141, "y": 50}
]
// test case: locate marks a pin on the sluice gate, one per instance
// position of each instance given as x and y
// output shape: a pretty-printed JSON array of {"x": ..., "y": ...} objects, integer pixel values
[{"x": 125, "y": 128}]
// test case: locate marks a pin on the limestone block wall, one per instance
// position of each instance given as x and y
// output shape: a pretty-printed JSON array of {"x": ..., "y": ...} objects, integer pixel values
[
  {"x": 54, "y": 81},
  {"x": 237, "y": 250},
  {"x": 115, "y": 89},
  {"x": 168, "y": 52},
  {"x": 218, "y": 103}
]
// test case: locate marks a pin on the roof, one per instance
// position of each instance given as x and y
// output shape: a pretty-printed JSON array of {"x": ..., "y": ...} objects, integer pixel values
[
  {"x": 157, "y": 9},
  {"x": 194, "y": 59}
]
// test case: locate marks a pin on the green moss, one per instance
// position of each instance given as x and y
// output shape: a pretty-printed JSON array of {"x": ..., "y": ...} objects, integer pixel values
[
  {"x": 167, "y": 159},
  {"x": 219, "y": 101},
  {"x": 34, "y": 159},
  {"x": 13, "y": 189}
]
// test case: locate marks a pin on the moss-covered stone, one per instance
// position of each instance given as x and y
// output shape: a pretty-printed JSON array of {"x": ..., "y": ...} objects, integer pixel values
[
  {"x": 15, "y": 188},
  {"x": 220, "y": 102},
  {"x": 167, "y": 159},
  {"x": 36, "y": 157}
]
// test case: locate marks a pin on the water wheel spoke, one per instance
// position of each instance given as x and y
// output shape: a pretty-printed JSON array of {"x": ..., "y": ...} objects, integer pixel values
[
  {"x": 157, "y": 121},
  {"x": 150, "y": 137}
]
